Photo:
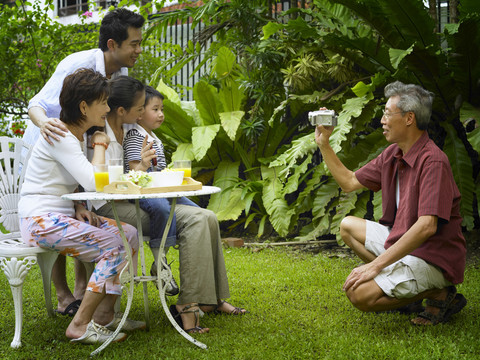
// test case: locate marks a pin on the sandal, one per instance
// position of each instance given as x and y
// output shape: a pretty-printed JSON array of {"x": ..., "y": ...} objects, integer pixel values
[
  {"x": 443, "y": 305},
  {"x": 412, "y": 308},
  {"x": 71, "y": 308},
  {"x": 455, "y": 306},
  {"x": 176, "y": 315},
  {"x": 235, "y": 311}
]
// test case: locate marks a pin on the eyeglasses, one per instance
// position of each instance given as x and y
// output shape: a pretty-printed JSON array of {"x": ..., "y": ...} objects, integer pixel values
[{"x": 388, "y": 115}]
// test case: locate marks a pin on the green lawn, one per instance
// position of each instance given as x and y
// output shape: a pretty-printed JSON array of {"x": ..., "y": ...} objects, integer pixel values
[{"x": 297, "y": 311}]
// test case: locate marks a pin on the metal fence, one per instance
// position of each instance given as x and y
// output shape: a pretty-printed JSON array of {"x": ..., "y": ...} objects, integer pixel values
[{"x": 180, "y": 34}]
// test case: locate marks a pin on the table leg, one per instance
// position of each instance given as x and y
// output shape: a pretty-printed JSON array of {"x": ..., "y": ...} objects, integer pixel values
[
  {"x": 131, "y": 275},
  {"x": 165, "y": 276},
  {"x": 142, "y": 261}
]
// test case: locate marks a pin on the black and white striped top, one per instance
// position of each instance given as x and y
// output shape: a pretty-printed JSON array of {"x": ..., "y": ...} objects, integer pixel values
[{"x": 132, "y": 147}]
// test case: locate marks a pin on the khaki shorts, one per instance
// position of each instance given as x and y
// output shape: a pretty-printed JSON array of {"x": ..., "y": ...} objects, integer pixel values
[{"x": 408, "y": 276}]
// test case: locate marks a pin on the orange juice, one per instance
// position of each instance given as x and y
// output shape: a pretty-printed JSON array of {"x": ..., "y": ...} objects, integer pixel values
[
  {"x": 187, "y": 172},
  {"x": 101, "y": 179}
]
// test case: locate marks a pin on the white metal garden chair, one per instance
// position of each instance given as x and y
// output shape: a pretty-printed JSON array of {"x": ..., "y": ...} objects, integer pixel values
[{"x": 16, "y": 258}]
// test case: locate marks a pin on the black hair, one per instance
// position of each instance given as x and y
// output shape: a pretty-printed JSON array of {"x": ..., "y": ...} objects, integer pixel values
[
  {"x": 151, "y": 92},
  {"x": 83, "y": 85},
  {"x": 115, "y": 26},
  {"x": 124, "y": 90}
]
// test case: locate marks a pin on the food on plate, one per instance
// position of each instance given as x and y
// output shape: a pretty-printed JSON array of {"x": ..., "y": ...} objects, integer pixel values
[{"x": 140, "y": 178}]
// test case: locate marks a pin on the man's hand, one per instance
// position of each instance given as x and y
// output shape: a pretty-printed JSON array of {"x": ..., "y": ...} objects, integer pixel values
[
  {"x": 360, "y": 275},
  {"x": 52, "y": 128},
  {"x": 322, "y": 134},
  {"x": 82, "y": 214}
]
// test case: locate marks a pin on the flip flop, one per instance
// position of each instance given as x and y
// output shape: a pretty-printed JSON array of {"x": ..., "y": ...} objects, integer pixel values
[{"x": 71, "y": 308}]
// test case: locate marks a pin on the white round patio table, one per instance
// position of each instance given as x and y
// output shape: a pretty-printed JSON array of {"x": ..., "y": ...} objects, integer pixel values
[{"x": 164, "y": 273}]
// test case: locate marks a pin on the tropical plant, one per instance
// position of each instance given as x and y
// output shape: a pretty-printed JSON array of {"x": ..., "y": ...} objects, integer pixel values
[
  {"x": 386, "y": 41},
  {"x": 338, "y": 54},
  {"x": 208, "y": 131}
]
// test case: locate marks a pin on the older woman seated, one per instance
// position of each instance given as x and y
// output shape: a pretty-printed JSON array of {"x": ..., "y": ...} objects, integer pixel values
[{"x": 48, "y": 221}]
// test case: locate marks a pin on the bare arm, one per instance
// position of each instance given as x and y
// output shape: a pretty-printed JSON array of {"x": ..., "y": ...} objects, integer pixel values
[
  {"x": 99, "y": 150},
  {"x": 343, "y": 176},
  {"x": 50, "y": 128},
  {"x": 423, "y": 229}
]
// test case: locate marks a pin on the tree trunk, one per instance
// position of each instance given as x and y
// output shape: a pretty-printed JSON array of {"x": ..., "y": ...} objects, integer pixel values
[
  {"x": 453, "y": 4},
  {"x": 432, "y": 10}
]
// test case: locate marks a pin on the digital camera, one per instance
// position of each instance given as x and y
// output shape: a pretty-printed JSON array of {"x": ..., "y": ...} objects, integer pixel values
[{"x": 322, "y": 117}]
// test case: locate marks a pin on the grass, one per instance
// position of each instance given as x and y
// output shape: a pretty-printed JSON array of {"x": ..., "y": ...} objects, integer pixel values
[{"x": 297, "y": 311}]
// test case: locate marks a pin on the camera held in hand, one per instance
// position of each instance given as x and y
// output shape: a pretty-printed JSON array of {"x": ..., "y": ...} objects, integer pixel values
[{"x": 322, "y": 117}]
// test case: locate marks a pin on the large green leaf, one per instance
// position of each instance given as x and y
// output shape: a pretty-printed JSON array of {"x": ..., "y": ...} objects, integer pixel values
[
  {"x": 377, "y": 205},
  {"x": 346, "y": 204},
  {"x": 184, "y": 152},
  {"x": 230, "y": 122},
  {"x": 191, "y": 109},
  {"x": 228, "y": 204},
  {"x": 462, "y": 172},
  {"x": 225, "y": 62},
  {"x": 177, "y": 122},
  {"x": 323, "y": 196},
  {"x": 397, "y": 55},
  {"x": 270, "y": 29},
  {"x": 361, "y": 205},
  {"x": 231, "y": 95},
  {"x": 474, "y": 139},
  {"x": 398, "y": 21},
  {"x": 208, "y": 103},
  {"x": 168, "y": 92},
  {"x": 351, "y": 109},
  {"x": 300, "y": 148},
  {"x": 202, "y": 138},
  {"x": 275, "y": 205},
  {"x": 293, "y": 183},
  {"x": 463, "y": 59}
]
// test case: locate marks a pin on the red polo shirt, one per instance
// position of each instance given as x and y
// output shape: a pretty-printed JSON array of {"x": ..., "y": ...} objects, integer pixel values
[{"x": 426, "y": 187}]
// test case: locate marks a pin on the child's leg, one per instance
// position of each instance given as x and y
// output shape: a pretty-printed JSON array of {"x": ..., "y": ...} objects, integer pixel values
[
  {"x": 185, "y": 201},
  {"x": 159, "y": 210}
]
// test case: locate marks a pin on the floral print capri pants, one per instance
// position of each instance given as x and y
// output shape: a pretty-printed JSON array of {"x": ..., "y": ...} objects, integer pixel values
[{"x": 71, "y": 237}]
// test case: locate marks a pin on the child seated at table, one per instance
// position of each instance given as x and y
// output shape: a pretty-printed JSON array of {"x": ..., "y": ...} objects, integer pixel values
[{"x": 135, "y": 140}]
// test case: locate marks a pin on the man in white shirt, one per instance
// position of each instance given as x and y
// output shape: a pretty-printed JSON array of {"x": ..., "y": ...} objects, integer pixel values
[
  {"x": 119, "y": 47},
  {"x": 120, "y": 40}
]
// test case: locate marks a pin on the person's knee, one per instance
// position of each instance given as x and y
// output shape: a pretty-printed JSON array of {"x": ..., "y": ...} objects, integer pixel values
[
  {"x": 132, "y": 236},
  {"x": 361, "y": 302},
  {"x": 346, "y": 229}
]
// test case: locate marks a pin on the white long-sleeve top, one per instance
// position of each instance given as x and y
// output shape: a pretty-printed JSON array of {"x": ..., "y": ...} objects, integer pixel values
[
  {"x": 52, "y": 172},
  {"x": 48, "y": 97}
]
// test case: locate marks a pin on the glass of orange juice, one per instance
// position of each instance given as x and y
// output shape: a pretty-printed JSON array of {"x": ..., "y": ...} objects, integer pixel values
[
  {"x": 101, "y": 176},
  {"x": 185, "y": 166}
]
